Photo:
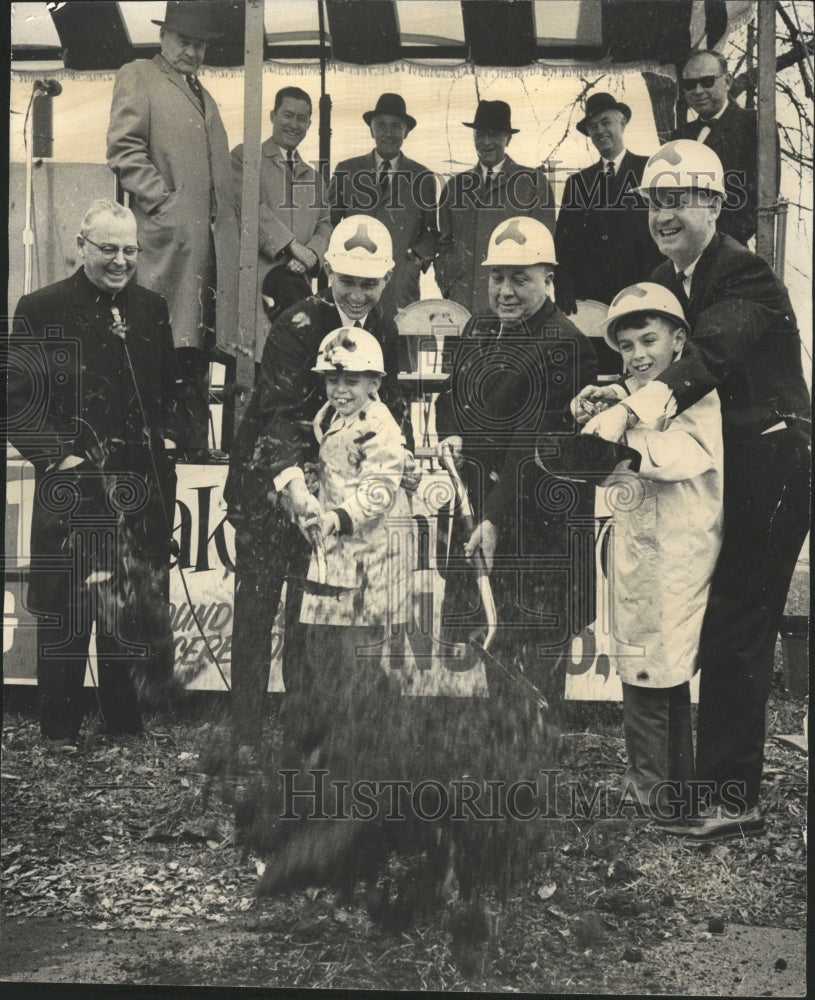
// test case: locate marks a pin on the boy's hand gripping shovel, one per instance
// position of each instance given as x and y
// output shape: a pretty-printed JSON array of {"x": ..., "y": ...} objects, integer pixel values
[
  {"x": 318, "y": 587},
  {"x": 513, "y": 673}
]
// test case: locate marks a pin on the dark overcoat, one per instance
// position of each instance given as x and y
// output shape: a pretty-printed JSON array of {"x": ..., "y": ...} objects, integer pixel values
[
  {"x": 76, "y": 388},
  {"x": 407, "y": 207},
  {"x": 601, "y": 238}
]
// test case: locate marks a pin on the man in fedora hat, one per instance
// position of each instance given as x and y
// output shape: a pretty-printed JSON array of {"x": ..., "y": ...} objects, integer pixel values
[
  {"x": 168, "y": 145},
  {"x": 474, "y": 202},
  {"x": 602, "y": 238},
  {"x": 398, "y": 191},
  {"x": 294, "y": 225}
]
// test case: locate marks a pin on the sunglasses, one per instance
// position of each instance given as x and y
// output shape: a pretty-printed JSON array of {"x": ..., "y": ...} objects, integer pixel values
[{"x": 706, "y": 82}]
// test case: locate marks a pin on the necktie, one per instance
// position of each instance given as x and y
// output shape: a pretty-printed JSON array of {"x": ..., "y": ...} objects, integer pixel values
[
  {"x": 357, "y": 324},
  {"x": 488, "y": 179},
  {"x": 384, "y": 175},
  {"x": 610, "y": 171},
  {"x": 289, "y": 178},
  {"x": 195, "y": 87},
  {"x": 679, "y": 290}
]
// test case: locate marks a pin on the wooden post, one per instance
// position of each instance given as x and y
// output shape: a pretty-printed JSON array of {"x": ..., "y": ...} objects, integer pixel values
[
  {"x": 767, "y": 179},
  {"x": 250, "y": 203}
]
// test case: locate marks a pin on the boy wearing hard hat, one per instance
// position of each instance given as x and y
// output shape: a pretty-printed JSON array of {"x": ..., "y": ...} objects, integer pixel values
[
  {"x": 666, "y": 535},
  {"x": 366, "y": 532},
  {"x": 744, "y": 341},
  {"x": 266, "y": 485}
]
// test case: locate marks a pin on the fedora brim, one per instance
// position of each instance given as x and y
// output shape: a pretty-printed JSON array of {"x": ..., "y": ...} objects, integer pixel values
[
  {"x": 409, "y": 120},
  {"x": 511, "y": 131},
  {"x": 194, "y": 31},
  {"x": 582, "y": 125}
]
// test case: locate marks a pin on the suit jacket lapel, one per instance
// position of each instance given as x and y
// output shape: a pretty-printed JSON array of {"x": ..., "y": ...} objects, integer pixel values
[{"x": 178, "y": 80}]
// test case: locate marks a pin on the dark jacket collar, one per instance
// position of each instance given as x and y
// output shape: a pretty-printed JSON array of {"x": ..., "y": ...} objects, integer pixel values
[{"x": 91, "y": 293}]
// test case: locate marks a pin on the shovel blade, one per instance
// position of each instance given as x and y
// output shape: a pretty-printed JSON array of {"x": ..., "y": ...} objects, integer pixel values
[{"x": 318, "y": 589}]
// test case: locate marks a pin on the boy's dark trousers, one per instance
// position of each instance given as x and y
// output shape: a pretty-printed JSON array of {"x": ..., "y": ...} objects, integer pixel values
[{"x": 659, "y": 743}]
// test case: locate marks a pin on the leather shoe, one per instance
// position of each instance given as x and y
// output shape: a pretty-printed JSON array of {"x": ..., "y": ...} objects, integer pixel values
[{"x": 717, "y": 824}]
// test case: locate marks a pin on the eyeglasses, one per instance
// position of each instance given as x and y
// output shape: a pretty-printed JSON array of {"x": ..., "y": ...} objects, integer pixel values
[
  {"x": 706, "y": 82},
  {"x": 110, "y": 251}
]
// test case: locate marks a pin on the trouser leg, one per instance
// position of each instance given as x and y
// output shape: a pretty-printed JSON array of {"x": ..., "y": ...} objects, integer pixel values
[
  {"x": 766, "y": 520},
  {"x": 194, "y": 366},
  {"x": 118, "y": 700},
  {"x": 659, "y": 744},
  {"x": 60, "y": 678},
  {"x": 260, "y": 569}
]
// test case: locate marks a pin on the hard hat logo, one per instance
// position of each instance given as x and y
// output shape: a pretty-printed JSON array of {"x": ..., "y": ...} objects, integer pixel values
[
  {"x": 667, "y": 153},
  {"x": 520, "y": 242},
  {"x": 361, "y": 239},
  {"x": 360, "y": 246},
  {"x": 512, "y": 232},
  {"x": 350, "y": 349},
  {"x": 683, "y": 164},
  {"x": 633, "y": 291},
  {"x": 341, "y": 341}
]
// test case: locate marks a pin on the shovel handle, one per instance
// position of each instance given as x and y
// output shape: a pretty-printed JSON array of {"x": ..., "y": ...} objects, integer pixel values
[{"x": 484, "y": 587}]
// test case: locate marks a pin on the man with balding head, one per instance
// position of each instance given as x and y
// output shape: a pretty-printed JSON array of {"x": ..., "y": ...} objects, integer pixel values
[
  {"x": 97, "y": 410},
  {"x": 731, "y": 132}
]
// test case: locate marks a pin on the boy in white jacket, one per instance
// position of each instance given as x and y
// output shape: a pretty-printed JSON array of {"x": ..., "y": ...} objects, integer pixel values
[
  {"x": 366, "y": 529},
  {"x": 666, "y": 536}
]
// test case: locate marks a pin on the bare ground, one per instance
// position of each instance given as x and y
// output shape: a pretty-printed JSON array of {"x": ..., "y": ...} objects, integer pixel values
[{"x": 120, "y": 866}]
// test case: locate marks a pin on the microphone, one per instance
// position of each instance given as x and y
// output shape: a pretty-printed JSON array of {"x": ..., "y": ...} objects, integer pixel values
[{"x": 48, "y": 88}]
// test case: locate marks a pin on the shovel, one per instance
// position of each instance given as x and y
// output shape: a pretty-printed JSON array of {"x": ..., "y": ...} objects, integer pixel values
[
  {"x": 512, "y": 673},
  {"x": 318, "y": 587}
]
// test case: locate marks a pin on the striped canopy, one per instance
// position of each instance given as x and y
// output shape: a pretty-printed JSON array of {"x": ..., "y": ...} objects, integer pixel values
[{"x": 102, "y": 35}]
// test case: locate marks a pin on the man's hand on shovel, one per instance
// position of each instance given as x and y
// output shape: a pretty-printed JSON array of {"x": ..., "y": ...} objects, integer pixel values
[{"x": 484, "y": 540}]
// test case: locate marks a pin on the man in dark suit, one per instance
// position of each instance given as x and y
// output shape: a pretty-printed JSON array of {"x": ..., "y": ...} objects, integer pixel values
[
  {"x": 731, "y": 132},
  {"x": 397, "y": 191},
  {"x": 511, "y": 381},
  {"x": 745, "y": 343},
  {"x": 474, "y": 202},
  {"x": 94, "y": 397},
  {"x": 266, "y": 484},
  {"x": 602, "y": 239}
]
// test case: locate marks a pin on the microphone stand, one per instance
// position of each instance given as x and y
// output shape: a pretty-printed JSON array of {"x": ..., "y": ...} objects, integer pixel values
[{"x": 28, "y": 229}]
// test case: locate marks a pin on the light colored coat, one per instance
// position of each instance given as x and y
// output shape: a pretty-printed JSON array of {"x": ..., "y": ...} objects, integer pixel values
[
  {"x": 174, "y": 161},
  {"x": 666, "y": 536},
  {"x": 361, "y": 463},
  {"x": 303, "y": 217}
]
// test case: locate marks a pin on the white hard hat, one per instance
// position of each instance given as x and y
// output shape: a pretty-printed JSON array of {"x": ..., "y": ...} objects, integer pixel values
[
  {"x": 360, "y": 246},
  {"x": 520, "y": 241},
  {"x": 644, "y": 297},
  {"x": 350, "y": 349},
  {"x": 683, "y": 163}
]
